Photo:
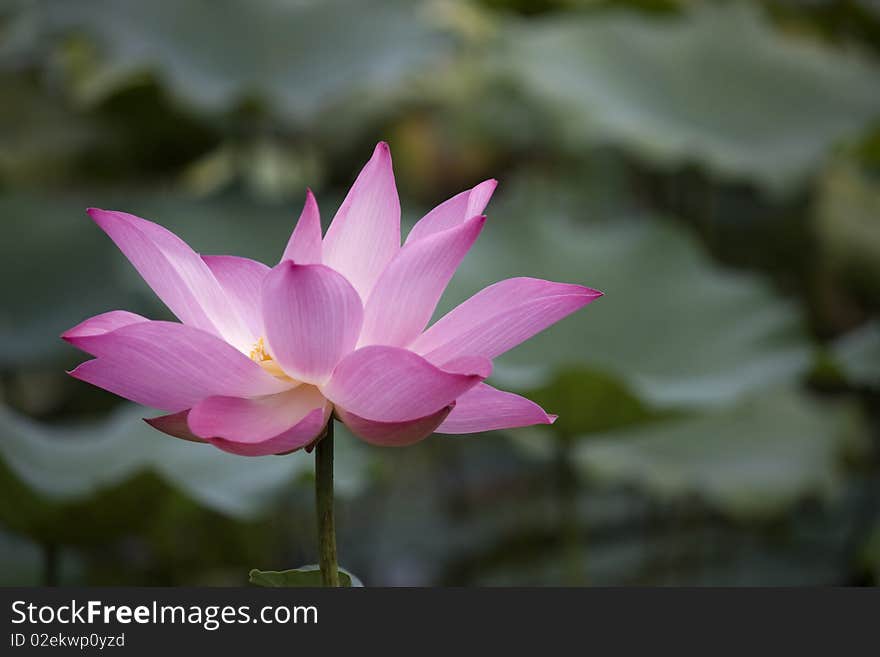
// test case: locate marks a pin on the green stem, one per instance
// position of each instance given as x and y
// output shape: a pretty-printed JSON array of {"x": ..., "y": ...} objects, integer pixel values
[
  {"x": 324, "y": 501},
  {"x": 570, "y": 533},
  {"x": 51, "y": 563}
]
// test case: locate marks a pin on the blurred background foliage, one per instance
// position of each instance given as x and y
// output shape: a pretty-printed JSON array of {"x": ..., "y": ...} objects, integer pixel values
[{"x": 714, "y": 167}]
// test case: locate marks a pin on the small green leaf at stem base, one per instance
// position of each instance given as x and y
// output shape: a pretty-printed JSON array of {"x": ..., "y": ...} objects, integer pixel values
[{"x": 306, "y": 576}]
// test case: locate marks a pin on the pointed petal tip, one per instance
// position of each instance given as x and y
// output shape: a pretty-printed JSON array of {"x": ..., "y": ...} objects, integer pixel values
[
  {"x": 305, "y": 243},
  {"x": 551, "y": 418},
  {"x": 382, "y": 151},
  {"x": 70, "y": 336},
  {"x": 76, "y": 372},
  {"x": 96, "y": 214},
  {"x": 100, "y": 325},
  {"x": 364, "y": 234},
  {"x": 99, "y": 215},
  {"x": 156, "y": 423},
  {"x": 588, "y": 294},
  {"x": 583, "y": 295},
  {"x": 174, "y": 425},
  {"x": 311, "y": 203}
]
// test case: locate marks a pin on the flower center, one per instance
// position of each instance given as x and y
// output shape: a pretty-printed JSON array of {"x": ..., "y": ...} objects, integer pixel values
[{"x": 262, "y": 358}]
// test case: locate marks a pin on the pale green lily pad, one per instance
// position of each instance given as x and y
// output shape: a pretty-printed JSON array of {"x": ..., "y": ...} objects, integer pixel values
[
  {"x": 718, "y": 85},
  {"x": 76, "y": 462},
  {"x": 306, "y": 576},
  {"x": 752, "y": 460},
  {"x": 300, "y": 56},
  {"x": 676, "y": 328}
]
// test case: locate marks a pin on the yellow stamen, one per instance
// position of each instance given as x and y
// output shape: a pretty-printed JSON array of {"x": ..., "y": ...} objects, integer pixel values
[
  {"x": 258, "y": 353},
  {"x": 260, "y": 356}
]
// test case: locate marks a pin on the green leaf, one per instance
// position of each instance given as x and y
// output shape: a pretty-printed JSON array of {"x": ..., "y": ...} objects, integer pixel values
[
  {"x": 588, "y": 401},
  {"x": 39, "y": 139},
  {"x": 300, "y": 56},
  {"x": 673, "y": 327},
  {"x": 755, "y": 459},
  {"x": 719, "y": 86},
  {"x": 307, "y": 576}
]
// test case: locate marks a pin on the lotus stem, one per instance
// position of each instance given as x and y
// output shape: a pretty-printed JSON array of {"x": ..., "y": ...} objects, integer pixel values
[
  {"x": 324, "y": 503},
  {"x": 51, "y": 561}
]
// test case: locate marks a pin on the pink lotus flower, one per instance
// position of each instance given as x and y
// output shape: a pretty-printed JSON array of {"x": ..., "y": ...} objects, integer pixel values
[{"x": 263, "y": 356}]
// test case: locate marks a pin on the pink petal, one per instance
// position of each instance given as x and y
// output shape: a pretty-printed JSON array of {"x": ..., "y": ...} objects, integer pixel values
[
  {"x": 313, "y": 317},
  {"x": 174, "y": 425},
  {"x": 171, "y": 366},
  {"x": 241, "y": 280},
  {"x": 175, "y": 272},
  {"x": 454, "y": 211},
  {"x": 484, "y": 408},
  {"x": 500, "y": 317},
  {"x": 407, "y": 292},
  {"x": 304, "y": 246},
  {"x": 101, "y": 324},
  {"x": 365, "y": 233},
  {"x": 393, "y": 434},
  {"x": 390, "y": 384},
  {"x": 256, "y": 420}
]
